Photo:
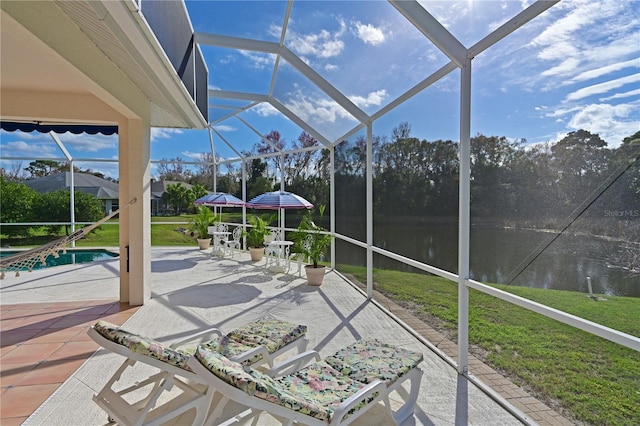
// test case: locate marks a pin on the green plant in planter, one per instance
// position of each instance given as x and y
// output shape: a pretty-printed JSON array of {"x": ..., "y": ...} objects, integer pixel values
[
  {"x": 201, "y": 222},
  {"x": 310, "y": 239},
  {"x": 255, "y": 235}
]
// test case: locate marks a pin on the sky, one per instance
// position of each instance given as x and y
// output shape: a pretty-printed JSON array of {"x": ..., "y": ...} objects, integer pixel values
[{"x": 577, "y": 66}]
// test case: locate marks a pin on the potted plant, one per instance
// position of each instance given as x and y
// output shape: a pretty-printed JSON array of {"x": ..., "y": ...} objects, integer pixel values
[
  {"x": 199, "y": 226},
  {"x": 312, "y": 241},
  {"x": 256, "y": 234}
]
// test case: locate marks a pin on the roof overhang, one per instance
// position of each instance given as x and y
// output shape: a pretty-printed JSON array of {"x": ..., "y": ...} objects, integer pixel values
[{"x": 99, "y": 48}]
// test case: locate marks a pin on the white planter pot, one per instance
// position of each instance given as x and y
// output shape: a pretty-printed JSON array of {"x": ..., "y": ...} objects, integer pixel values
[
  {"x": 256, "y": 253},
  {"x": 204, "y": 243},
  {"x": 314, "y": 275}
]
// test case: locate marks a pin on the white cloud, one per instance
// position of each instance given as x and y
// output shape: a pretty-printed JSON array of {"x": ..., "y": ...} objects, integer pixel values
[
  {"x": 323, "y": 44},
  {"x": 448, "y": 13},
  {"x": 224, "y": 128},
  {"x": 369, "y": 33},
  {"x": 566, "y": 67},
  {"x": 259, "y": 60},
  {"x": 316, "y": 110},
  {"x": 628, "y": 94},
  {"x": 192, "y": 156},
  {"x": 162, "y": 133},
  {"x": 612, "y": 122},
  {"x": 581, "y": 40},
  {"x": 605, "y": 87},
  {"x": 561, "y": 33},
  {"x": 607, "y": 69},
  {"x": 372, "y": 99},
  {"x": 23, "y": 149},
  {"x": 88, "y": 143},
  {"x": 265, "y": 109},
  {"x": 227, "y": 59},
  {"x": 559, "y": 112},
  {"x": 331, "y": 67}
]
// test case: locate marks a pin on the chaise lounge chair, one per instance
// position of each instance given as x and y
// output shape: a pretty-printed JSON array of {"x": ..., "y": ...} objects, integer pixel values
[
  {"x": 257, "y": 343},
  {"x": 334, "y": 391},
  {"x": 367, "y": 361}
]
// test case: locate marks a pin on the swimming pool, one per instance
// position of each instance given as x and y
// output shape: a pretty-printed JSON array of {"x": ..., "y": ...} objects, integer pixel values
[{"x": 71, "y": 257}]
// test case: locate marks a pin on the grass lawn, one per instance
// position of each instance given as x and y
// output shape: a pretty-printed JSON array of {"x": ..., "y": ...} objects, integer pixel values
[
  {"x": 107, "y": 235},
  {"x": 594, "y": 380}
]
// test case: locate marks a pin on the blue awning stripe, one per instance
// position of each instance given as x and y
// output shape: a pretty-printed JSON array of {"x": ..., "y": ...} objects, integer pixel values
[{"x": 77, "y": 129}]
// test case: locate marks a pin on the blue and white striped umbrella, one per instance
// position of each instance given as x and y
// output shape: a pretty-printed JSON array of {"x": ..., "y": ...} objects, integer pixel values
[
  {"x": 279, "y": 200},
  {"x": 220, "y": 199}
]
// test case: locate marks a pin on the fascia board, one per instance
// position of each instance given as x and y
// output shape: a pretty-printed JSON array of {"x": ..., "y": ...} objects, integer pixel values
[{"x": 126, "y": 22}]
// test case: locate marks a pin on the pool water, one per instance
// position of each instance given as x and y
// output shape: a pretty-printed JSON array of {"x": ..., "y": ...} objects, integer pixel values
[{"x": 71, "y": 257}]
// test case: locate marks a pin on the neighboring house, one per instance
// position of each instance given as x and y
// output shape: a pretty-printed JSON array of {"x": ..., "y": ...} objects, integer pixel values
[
  {"x": 103, "y": 189},
  {"x": 159, "y": 206}
]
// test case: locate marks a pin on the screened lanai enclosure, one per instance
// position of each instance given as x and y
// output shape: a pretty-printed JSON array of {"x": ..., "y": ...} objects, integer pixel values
[{"x": 488, "y": 214}]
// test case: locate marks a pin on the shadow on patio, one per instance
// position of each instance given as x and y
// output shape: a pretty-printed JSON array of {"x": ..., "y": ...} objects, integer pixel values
[{"x": 203, "y": 291}]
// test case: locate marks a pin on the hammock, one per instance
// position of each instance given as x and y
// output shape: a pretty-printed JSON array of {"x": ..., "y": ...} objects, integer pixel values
[{"x": 27, "y": 260}]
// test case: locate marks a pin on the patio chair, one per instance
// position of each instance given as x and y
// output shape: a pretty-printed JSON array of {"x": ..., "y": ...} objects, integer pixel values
[
  {"x": 316, "y": 395},
  {"x": 300, "y": 256},
  {"x": 235, "y": 243},
  {"x": 255, "y": 344},
  {"x": 272, "y": 252}
]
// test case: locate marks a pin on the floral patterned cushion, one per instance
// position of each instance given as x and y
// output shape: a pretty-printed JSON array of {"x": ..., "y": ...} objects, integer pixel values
[
  {"x": 276, "y": 335},
  {"x": 142, "y": 345},
  {"x": 314, "y": 391},
  {"x": 229, "y": 371},
  {"x": 366, "y": 361},
  {"x": 270, "y": 333},
  {"x": 320, "y": 385},
  {"x": 225, "y": 346}
]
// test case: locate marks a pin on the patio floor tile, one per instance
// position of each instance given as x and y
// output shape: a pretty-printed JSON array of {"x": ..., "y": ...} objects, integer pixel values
[
  {"x": 20, "y": 401},
  {"x": 43, "y": 344}
]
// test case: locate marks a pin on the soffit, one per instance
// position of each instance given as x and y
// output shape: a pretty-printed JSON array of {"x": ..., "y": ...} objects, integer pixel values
[
  {"x": 84, "y": 15},
  {"x": 31, "y": 64}
]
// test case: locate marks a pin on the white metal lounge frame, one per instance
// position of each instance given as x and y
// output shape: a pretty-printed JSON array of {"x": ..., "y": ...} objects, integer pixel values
[{"x": 195, "y": 392}]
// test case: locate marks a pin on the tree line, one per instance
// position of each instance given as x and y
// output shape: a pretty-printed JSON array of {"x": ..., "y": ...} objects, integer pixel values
[
  {"x": 21, "y": 204},
  {"x": 572, "y": 181},
  {"x": 512, "y": 182},
  {"x": 548, "y": 184}
]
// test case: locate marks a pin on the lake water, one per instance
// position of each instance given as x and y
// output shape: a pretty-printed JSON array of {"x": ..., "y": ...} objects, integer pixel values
[{"x": 505, "y": 256}]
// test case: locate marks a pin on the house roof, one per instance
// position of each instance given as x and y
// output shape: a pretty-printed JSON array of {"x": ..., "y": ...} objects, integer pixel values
[
  {"x": 85, "y": 182},
  {"x": 160, "y": 187},
  {"x": 91, "y": 184}
]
